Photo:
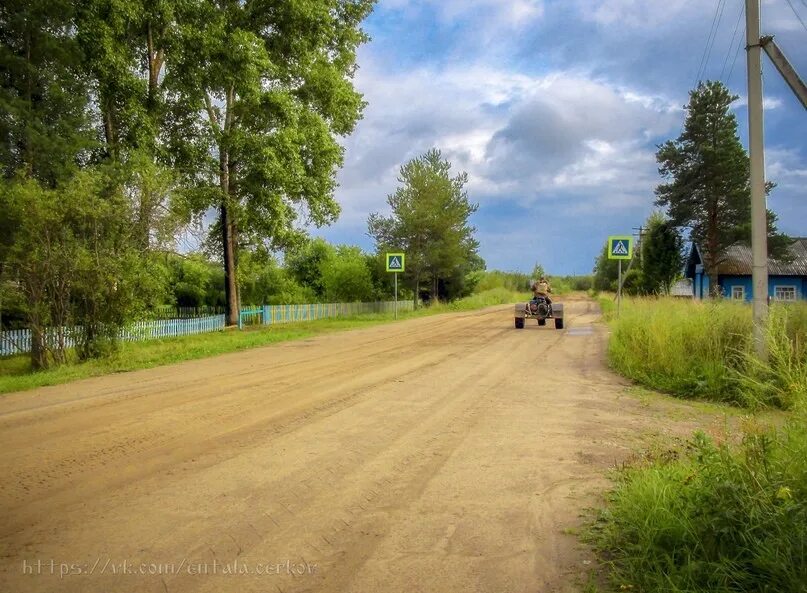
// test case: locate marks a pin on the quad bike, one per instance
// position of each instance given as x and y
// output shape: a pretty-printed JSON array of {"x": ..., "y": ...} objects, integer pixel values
[{"x": 539, "y": 309}]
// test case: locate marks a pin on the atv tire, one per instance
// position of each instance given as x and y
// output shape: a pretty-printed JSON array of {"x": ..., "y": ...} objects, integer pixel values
[
  {"x": 519, "y": 323},
  {"x": 559, "y": 323}
]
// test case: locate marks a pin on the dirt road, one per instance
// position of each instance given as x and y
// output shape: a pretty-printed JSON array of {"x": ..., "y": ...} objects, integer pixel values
[{"x": 449, "y": 453}]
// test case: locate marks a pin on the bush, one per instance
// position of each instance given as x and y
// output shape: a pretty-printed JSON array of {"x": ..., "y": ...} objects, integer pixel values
[
  {"x": 722, "y": 519},
  {"x": 513, "y": 281}
]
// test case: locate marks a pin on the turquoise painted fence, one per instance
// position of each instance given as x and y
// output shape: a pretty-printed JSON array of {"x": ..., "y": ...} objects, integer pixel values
[
  {"x": 19, "y": 341},
  {"x": 271, "y": 314}
]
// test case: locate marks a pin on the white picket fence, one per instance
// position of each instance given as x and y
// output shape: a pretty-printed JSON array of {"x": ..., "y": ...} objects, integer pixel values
[{"x": 19, "y": 341}]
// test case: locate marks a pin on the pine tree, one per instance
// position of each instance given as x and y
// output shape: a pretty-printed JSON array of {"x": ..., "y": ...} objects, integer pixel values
[
  {"x": 430, "y": 222},
  {"x": 708, "y": 171}
]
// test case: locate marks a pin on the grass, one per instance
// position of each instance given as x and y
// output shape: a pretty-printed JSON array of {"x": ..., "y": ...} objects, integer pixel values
[
  {"x": 15, "y": 373},
  {"x": 704, "y": 350},
  {"x": 721, "y": 513},
  {"x": 715, "y": 516}
]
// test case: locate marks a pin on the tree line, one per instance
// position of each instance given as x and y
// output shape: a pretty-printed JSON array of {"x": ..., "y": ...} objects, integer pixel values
[
  {"x": 124, "y": 122},
  {"x": 127, "y": 125},
  {"x": 705, "y": 194}
]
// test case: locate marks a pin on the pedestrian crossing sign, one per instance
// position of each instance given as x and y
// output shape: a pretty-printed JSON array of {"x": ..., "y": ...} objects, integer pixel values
[
  {"x": 395, "y": 262},
  {"x": 620, "y": 247}
]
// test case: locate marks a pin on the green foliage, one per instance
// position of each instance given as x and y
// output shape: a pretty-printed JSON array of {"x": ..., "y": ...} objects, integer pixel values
[
  {"x": 75, "y": 259},
  {"x": 573, "y": 283},
  {"x": 45, "y": 127},
  {"x": 261, "y": 281},
  {"x": 606, "y": 272},
  {"x": 513, "y": 281},
  {"x": 487, "y": 298},
  {"x": 704, "y": 350},
  {"x": 632, "y": 281},
  {"x": 721, "y": 519},
  {"x": 662, "y": 255},
  {"x": 537, "y": 272},
  {"x": 124, "y": 45},
  {"x": 267, "y": 87},
  {"x": 305, "y": 262},
  {"x": 430, "y": 223},
  {"x": 346, "y": 277},
  {"x": 708, "y": 171}
]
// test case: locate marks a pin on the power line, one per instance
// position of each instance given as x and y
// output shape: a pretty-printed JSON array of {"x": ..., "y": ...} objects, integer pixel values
[
  {"x": 798, "y": 16},
  {"x": 731, "y": 43},
  {"x": 734, "y": 61},
  {"x": 714, "y": 39},
  {"x": 709, "y": 40}
]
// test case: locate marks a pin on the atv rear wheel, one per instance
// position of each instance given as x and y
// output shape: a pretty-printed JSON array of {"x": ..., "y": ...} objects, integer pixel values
[
  {"x": 559, "y": 323},
  {"x": 519, "y": 323}
]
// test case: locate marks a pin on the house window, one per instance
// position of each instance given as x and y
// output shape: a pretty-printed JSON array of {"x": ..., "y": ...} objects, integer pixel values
[
  {"x": 785, "y": 293},
  {"x": 738, "y": 293}
]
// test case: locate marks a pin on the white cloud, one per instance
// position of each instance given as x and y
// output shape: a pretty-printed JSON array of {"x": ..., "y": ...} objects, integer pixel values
[
  {"x": 638, "y": 13},
  {"x": 786, "y": 167},
  {"x": 768, "y": 102},
  {"x": 500, "y": 13},
  {"x": 519, "y": 137}
]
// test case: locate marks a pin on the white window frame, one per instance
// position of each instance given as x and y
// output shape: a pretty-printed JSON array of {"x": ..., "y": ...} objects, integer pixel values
[
  {"x": 788, "y": 287},
  {"x": 738, "y": 290}
]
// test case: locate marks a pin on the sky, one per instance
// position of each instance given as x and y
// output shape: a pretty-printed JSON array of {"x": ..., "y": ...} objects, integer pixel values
[{"x": 554, "y": 109}]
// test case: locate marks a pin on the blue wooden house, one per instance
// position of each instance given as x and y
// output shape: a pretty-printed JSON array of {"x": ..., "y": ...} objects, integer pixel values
[{"x": 787, "y": 281}]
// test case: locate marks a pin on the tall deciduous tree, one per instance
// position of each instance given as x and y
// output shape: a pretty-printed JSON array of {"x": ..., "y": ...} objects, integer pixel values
[
  {"x": 270, "y": 87},
  {"x": 429, "y": 221},
  {"x": 45, "y": 126},
  {"x": 304, "y": 262},
  {"x": 708, "y": 171},
  {"x": 125, "y": 46},
  {"x": 662, "y": 255}
]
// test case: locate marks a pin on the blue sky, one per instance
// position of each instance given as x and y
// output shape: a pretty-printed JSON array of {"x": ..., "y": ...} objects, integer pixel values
[{"x": 554, "y": 109}]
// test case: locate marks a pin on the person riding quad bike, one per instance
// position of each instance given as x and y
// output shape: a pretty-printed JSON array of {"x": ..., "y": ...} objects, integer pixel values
[{"x": 540, "y": 291}]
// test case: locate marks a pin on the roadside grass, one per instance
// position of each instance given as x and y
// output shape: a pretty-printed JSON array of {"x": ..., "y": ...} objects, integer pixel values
[
  {"x": 725, "y": 512},
  {"x": 704, "y": 350},
  {"x": 15, "y": 373},
  {"x": 720, "y": 514}
]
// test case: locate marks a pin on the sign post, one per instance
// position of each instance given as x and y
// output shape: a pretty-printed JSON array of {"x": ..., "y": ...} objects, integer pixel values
[
  {"x": 620, "y": 247},
  {"x": 395, "y": 263}
]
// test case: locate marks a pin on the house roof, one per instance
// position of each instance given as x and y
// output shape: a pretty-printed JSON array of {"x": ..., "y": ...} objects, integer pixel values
[{"x": 737, "y": 261}]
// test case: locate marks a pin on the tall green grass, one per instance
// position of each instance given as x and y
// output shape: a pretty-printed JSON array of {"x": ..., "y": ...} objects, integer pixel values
[
  {"x": 696, "y": 349},
  {"x": 720, "y": 518}
]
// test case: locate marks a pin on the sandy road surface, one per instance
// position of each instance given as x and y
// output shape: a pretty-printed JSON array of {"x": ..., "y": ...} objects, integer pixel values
[{"x": 438, "y": 454}]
